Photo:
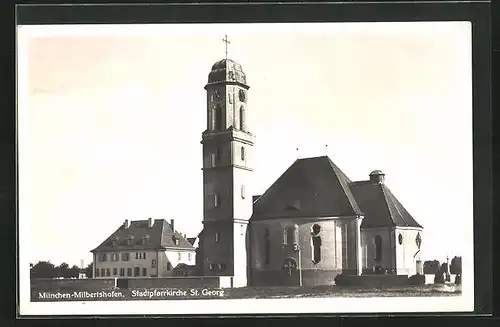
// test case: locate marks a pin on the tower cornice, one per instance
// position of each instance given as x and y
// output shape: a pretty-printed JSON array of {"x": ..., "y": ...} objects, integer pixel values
[
  {"x": 226, "y": 82},
  {"x": 244, "y": 137}
]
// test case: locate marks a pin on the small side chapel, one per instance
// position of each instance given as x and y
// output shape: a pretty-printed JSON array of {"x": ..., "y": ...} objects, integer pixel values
[{"x": 311, "y": 224}]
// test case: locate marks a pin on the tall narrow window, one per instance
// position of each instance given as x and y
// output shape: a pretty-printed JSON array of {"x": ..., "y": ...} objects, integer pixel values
[
  {"x": 242, "y": 118},
  {"x": 242, "y": 152},
  {"x": 129, "y": 272},
  {"x": 218, "y": 117},
  {"x": 97, "y": 272},
  {"x": 115, "y": 271},
  {"x": 290, "y": 235},
  {"x": 153, "y": 263},
  {"x": 285, "y": 236},
  {"x": 267, "y": 247},
  {"x": 242, "y": 191},
  {"x": 378, "y": 248},
  {"x": 217, "y": 237},
  {"x": 212, "y": 159},
  {"x": 137, "y": 271},
  {"x": 316, "y": 243},
  {"x": 217, "y": 200},
  {"x": 144, "y": 271},
  {"x": 122, "y": 271}
]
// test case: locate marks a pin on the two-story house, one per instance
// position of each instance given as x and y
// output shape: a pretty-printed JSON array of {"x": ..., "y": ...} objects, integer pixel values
[{"x": 142, "y": 248}]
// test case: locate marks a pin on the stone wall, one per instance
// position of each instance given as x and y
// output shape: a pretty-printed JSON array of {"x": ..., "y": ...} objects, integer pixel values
[
  {"x": 98, "y": 284},
  {"x": 49, "y": 284},
  {"x": 375, "y": 280},
  {"x": 174, "y": 282}
]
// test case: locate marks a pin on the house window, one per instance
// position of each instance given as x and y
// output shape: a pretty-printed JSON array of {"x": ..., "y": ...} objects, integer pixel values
[
  {"x": 137, "y": 255},
  {"x": 378, "y": 248},
  {"x": 125, "y": 256},
  {"x": 267, "y": 246},
  {"x": 217, "y": 237},
  {"x": 176, "y": 241},
  {"x": 144, "y": 255},
  {"x": 153, "y": 263},
  {"x": 108, "y": 272},
  {"x": 144, "y": 271},
  {"x": 103, "y": 272},
  {"x": 316, "y": 243},
  {"x": 285, "y": 236},
  {"x": 242, "y": 191},
  {"x": 211, "y": 267},
  {"x": 97, "y": 272},
  {"x": 221, "y": 267},
  {"x": 103, "y": 257},
  {"x": 179, "y": 256},
  {"x": 169, "y": 266},
  {"x": 115, "y": 271},
  {"x": 137, "y": 271},
  {"x": 122, "y": 271},
  {"x": 129, "y": 272},
  {"x": 242, "y": 153}
]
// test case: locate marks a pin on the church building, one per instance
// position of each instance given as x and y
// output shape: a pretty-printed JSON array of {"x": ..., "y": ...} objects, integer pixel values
[{"x": 310, "y": 225}]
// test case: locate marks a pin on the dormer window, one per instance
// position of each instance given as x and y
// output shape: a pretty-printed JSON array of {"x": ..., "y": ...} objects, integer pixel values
[
  {"x": 130, "y": 240},
  {"x": 145, "y": 240}
]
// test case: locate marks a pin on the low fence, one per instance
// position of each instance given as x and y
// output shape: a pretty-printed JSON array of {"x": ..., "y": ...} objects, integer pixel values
[
  {"x": 49, "y": 284},
  {"x": 97, "y": 284},
  {"x": 429, "y": 278},
  {"x": 373, "y": 280}
]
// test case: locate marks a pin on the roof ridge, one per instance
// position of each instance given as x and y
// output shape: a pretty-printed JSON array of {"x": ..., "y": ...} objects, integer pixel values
[
  {"x": 344, "y": 179},
  {"x": 398, "y": 204},
  {"x": 386, "y": 203},
  {"x": 275, "y": 182}
]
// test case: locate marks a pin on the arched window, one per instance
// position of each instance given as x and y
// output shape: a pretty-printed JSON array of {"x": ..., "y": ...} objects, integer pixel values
[
  {"x": 267, "y": 247},
  {"x": 378, "y": 248},
  {"x": 242, "y": 118},
  {"x": 316, "y": 243},
  {"x": 217, "y": 117}
]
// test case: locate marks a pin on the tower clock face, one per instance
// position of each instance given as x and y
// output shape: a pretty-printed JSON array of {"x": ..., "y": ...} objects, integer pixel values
[{"x": 242, "y": 95}]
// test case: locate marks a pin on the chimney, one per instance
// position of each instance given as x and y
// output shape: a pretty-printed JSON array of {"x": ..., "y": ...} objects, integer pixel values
[
  {"x": 172, "y": 225},
  {"x": 150, "y": 222},
  {"x": 377, "y": 177},
  {"x": 126, "y": 224}
]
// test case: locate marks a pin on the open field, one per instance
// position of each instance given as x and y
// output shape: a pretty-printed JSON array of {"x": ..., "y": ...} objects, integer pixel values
[{"x": 114, "y": 294}]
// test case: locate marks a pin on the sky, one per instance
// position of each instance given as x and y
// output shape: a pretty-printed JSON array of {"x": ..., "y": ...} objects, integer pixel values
[{"x": 110, "y": 121}]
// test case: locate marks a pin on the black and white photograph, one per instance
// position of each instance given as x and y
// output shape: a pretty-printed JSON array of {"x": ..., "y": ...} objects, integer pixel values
[{"x": 245, "y": 168}]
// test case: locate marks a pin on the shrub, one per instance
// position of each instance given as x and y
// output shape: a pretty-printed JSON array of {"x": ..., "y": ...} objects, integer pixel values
[
  {"x": 458, "y": 279},
  {"x": 341, "y": 280},
  {"x": 417, "y": 279},
  {"x": 439, "y": 278}
]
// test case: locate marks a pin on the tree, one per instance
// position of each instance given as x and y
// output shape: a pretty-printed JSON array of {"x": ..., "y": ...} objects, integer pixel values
[
  {"x": 43, "y": 269},
  {"x": 89, "y": 271},
  {"x": 63, "y": 270},
  {"x": 456, "y": 266},
  {"x": 431, "y": 267}
]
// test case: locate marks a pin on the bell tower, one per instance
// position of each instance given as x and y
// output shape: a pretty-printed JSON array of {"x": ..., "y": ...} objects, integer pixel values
[{"x": 227, "y": 174}]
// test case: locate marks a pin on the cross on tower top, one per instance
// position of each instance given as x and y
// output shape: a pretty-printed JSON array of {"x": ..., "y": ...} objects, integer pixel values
[{"x": 225, "y": 40}]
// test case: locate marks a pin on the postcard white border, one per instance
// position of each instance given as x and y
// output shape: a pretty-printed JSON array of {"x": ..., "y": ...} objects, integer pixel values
[{"x": 463, "y": 303}]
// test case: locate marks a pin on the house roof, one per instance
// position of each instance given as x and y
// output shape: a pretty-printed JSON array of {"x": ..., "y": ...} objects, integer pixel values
[
  {"x": 380, "y": 206},
  {"x": 316, "y": 187},
  {"x": 160, "y": 235},
  {"x": 311, "y": 187}
]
